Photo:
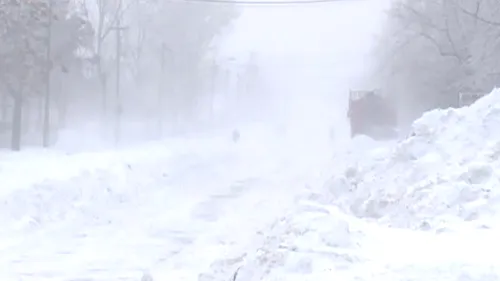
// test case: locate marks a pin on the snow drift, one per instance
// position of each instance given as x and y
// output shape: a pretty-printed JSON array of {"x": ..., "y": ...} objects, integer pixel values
[
  {"x": 442, "y": 177},
  {"x": 164, "y": 202},
  {"x": 445, "y": 171},
  {"x": 43, "y": 187}
]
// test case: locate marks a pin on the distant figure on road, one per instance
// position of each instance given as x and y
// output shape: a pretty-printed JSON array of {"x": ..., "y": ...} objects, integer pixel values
[
  {"x": 331, "y": 133},
  {"x": 236, "y": 135}
]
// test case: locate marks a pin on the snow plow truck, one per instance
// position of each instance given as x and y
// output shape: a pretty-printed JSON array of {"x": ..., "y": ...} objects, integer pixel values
[{"x": 371, "y": 114}]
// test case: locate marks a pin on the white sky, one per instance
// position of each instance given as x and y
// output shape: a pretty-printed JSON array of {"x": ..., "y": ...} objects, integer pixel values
[
  {"x": 336, "y": 31},
  {"x": 312, "y": 54}
]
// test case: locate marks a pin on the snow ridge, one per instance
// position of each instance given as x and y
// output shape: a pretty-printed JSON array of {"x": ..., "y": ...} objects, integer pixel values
[{"x": 446, "y": 170}]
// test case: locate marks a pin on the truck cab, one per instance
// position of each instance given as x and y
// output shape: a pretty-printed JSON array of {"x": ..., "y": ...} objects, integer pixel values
[{"x": 371, "y": 114}]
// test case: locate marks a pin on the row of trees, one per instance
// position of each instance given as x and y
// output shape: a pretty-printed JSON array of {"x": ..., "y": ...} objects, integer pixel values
[
  {"x": 69, "y": 63},
  {"x": 430, "y": 50},
  {"x": 29, "y": 55}
]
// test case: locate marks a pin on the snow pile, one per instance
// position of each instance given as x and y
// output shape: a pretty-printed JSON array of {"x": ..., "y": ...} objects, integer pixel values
[
  {"x": 316, "y": 240},
  {"x": 41, "y": 187},
  {"x": 309, "y": 240},
  {"x": 177, "y": 206},
  {"x": 446, "y": 170},
  {"x": 83, "y": 188}
]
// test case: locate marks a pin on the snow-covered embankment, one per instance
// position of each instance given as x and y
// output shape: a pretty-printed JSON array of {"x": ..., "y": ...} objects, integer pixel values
[
  {"x": 423, "y": 208},
  {"x": 445, "y": 171}
]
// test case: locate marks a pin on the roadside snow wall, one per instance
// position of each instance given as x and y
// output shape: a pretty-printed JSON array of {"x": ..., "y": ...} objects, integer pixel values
[
  {"x": 46, "y": 187},
  {"x": 447, "y": 170}
]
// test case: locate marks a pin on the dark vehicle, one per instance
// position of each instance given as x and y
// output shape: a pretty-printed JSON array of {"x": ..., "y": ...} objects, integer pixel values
[{"x": 372, "y": 115}]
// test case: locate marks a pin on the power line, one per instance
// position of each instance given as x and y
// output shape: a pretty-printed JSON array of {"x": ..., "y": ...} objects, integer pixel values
[{"x": 267, "y": 3}]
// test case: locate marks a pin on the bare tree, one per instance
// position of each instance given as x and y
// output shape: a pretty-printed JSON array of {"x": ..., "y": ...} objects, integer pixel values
[
  {"x": 59, "y": 56},
  {"x": 25, "y": 52},
  {"x": 170, "y": 41},
  {"x": 432, "y": 49},
  {"x": 106, "y": 16}
]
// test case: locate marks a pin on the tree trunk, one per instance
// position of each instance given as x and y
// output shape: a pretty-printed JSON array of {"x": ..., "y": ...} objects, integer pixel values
[
  {"x": 103, "y": 88},
  {"x": 100, "y": 40},
  {"x": 17, "y": 114},
  {"x": 161, "y": 92},
  {"x": 118, "y": 106},
  {"x": 5, "y": 107},
  {"x": 48, "y": 76},
  {"x": 39, "y": 113},
  {"x": 63, "y": 104},
  {"x": 46, "y": 122},
  {"x": 27, "y": 110}
]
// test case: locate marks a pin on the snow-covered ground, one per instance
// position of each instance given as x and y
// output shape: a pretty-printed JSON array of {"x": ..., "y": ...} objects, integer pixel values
[
  {"x": 170, "y": 208},
  {"x": 445, "y": 171},
  {"x": 422, "y": 208},
  {"x": 268, "y": 207}
]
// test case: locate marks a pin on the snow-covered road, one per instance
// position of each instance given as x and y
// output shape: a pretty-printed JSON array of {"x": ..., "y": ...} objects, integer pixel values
[
  {"x": 422, "y": 208},
  {"x": 172, "y": 209}
]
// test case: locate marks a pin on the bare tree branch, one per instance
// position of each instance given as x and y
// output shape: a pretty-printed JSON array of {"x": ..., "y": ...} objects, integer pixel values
[{"x": 475, "y": 15}]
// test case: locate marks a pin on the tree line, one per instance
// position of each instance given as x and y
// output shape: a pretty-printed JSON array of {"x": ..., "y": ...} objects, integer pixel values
[
  {"x": 64, "y": 63},
  {"x": 430, "y": 50}
]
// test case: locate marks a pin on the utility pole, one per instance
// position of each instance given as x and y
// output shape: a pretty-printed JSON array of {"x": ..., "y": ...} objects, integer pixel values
[
  {"x": 118, "y": 109},
  {"x": 46, "y": 116}
]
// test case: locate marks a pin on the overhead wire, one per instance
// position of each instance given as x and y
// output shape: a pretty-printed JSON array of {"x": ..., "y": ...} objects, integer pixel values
[{"x": 266, "y": 2}]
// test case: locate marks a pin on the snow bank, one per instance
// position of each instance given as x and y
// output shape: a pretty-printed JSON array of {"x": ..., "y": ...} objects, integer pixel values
[
  {"x": 165, "y": 202},
  {"x": 301, "y": 244},
  {"x": 317, "y": 240},
  {"x": 52, "y": 188},
  {"x": 446, "y": 170},
  {"x": 40, "y": 187}
]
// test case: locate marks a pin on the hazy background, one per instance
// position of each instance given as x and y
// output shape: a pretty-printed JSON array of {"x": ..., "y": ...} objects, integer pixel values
[
  {"x": 310, "y": 55},
  {"x": 184, "y": 68}
]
